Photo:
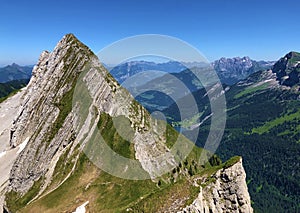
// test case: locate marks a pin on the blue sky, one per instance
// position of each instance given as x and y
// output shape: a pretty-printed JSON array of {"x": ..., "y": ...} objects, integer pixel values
[{"x": 261, "y": 29}]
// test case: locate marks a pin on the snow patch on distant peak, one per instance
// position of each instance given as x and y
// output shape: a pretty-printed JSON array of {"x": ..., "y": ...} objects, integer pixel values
[{"x": 81, "y": 209}]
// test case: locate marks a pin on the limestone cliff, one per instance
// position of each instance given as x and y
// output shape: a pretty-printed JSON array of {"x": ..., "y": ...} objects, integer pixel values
[
  {"x": 55, "y": 120},
  {"x": 50, "y": 123},
  {"x": 226, "y": 192}
]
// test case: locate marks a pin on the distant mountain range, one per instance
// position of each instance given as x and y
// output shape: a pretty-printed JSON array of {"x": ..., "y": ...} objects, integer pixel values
[
  {"x": 128, "y": 69},
  {"x": 15, "y": 72},
  {"x": 229, "y": 70},
  {"x": 154, "y": 87}
]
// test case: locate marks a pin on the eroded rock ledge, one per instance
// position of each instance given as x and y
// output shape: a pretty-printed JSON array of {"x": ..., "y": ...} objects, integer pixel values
[{"x": 226, "y": 192}]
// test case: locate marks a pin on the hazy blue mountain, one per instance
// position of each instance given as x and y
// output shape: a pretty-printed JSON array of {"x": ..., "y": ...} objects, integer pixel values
[
  {"x": 229, "y": 70},
  {"x": 128, "y": 69},
  {"x": 162, "y": 91},
  {"x": 15, "y": 72}
]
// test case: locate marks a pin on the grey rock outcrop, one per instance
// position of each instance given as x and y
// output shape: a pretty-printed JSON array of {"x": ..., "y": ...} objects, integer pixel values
[
  {"x": 287, "y": 69},
  {"x": 227, "y": 192},
  {"x": 232, "y": 70},
  {"x": 52, "y": 78},
  {"x": 49, "y": 120}
]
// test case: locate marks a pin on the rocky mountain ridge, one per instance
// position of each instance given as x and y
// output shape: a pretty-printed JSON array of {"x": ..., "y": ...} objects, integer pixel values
[
  {"x": 287, "y": 70},
  {"x": 55, "y": 120}
]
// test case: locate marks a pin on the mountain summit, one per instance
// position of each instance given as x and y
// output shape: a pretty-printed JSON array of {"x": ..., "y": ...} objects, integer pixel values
[
  {"x": 232, "y": 70},
  {"x": 287, "y": 69},
  {"x": 72, "y": 100}
]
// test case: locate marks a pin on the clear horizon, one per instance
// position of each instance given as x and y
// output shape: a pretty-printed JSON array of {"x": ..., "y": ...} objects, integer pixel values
[
  {"x": 154, "y": 61},
  {"x": 263, "y": 30}
]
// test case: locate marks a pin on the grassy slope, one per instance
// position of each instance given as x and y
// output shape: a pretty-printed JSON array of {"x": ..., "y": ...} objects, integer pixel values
[
  {"x": 276, "y": 122},
  {"x": 251, "y": 90},
  {"x": 111, "y": 194},
  {"x": 107, "y": 193}
]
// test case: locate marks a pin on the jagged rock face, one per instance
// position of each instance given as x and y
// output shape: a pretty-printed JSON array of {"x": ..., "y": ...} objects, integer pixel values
[
  {"x": 260, "y": 78},
  {"x": 231, "y": 70},
  {"x": 287, "y": 69},
  {"x": 47, "y": 86},
  {"x": 52, "y": 78},
  {"x": 227, "y": 193},
  {"x": 45, "y": 119}
]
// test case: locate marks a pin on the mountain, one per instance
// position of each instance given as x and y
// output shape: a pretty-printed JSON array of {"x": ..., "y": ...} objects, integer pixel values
[
  {"x": 262, "y": 126},
  {"x": 161, "y": 92},
  {"x": 229, "y": 70},
  {"x": 287, "y": 70},
  {"x": 158, "y": 90},
  {"x": 15, "y": 72},
  {"x": 78, "y": 140},
  {"x": 232, "y": 70},
  {"x": 124, "y": 71}
]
